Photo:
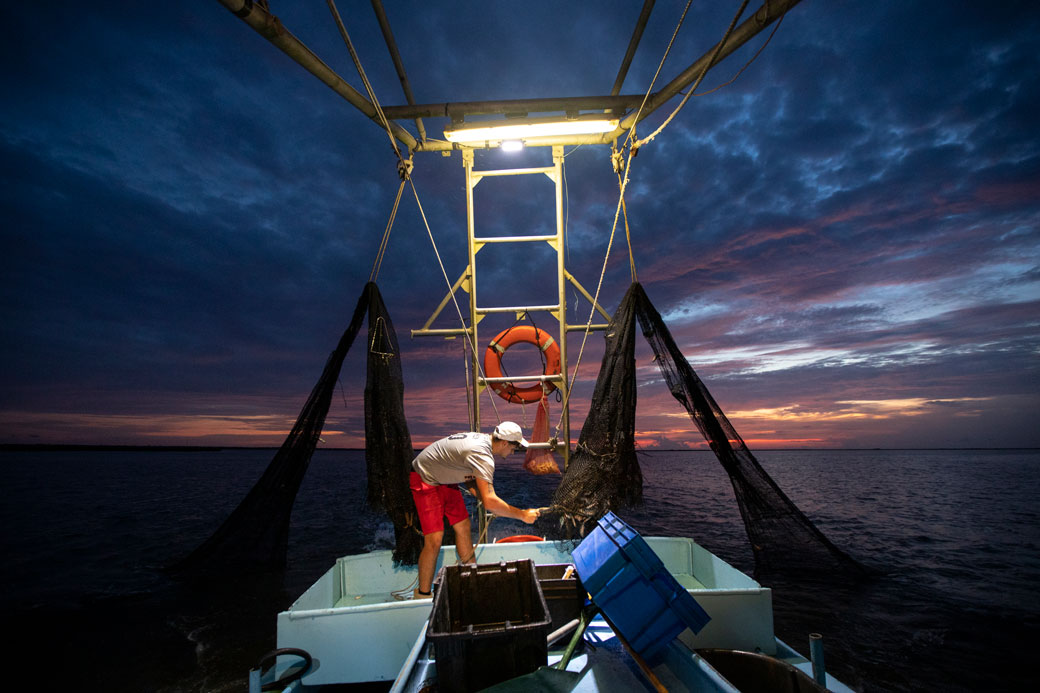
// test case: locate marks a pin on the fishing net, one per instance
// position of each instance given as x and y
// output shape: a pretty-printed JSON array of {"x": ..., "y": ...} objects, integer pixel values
[
  {"x": 388, "y": 446},
  {"x": 782, "y": 537},
  {"x": 604, "y": 472},
  {"x": 256, "y": 534}
]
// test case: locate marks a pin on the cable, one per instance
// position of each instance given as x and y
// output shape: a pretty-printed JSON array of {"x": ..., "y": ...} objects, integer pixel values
[
  {"x": 592, "y": 310},
  {"x": 628, "y": 236},
  {"x": 364, "y": 78},
  {"x": 465, "y": 366},
  {"x": 458, "y": 310},
  {"x": 405, "y": 593},
  {"x": 623, "y": 181},
  {"x": 404, "y": 168},
  {"x": 660, "y": 66},
  {"x": 718, "y": 49},
  {"x": 733, "y": 79},
  {"x": 378, "y": 263},
  {"x": 482, "y": 538},
  {"x": 617, "y": 211}
]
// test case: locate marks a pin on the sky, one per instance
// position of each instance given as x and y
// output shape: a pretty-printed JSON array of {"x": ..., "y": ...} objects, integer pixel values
[{"x": 844, "y": 240}]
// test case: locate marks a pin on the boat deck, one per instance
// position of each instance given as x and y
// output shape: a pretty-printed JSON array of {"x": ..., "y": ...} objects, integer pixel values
[
  {"x": 352, "y": 606},
  {"x": 383, "y": 597}
]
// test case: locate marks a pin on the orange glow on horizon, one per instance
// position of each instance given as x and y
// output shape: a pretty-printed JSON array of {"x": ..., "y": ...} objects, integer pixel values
[{"x": 833, "y": 424}]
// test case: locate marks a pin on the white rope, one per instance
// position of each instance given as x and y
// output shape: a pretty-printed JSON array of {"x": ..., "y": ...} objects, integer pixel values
[
  {"x": 465, "y": 367},
  {"x": 660, "y": 66},
  {"x": 595, "y": 301},
  {"x": 566, "y": 224},
  {"x": 718, "y": 49},
  {"x": 364, "y": 78},
  {"x": 613, "y": 230},
  {"x": 404, "y": 168},
  {"x": 482, "y": 538},
  {"x": 746, "y": 65},
  {"x": 624, "y": 182},
  {"x": 628, "y": 233},
  {"x": 405, "y": 593},
  {"x": 378, "y": 263}
]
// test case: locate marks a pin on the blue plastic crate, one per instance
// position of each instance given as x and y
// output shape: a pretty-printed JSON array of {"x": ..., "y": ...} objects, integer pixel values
[{"x": 630, "y": 584}]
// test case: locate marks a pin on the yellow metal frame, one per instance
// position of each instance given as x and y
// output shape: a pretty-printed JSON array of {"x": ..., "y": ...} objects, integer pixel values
[
  {"x": 467, "y": 281},
  {"x": 476, "y": 312}
]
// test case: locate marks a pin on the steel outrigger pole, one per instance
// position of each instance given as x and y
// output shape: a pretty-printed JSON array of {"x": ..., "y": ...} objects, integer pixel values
[{"x": 257, "y": 16}]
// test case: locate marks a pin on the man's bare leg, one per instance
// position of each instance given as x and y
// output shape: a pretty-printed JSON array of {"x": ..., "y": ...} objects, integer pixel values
[
  {"x": 428, "y": 561},
  {"x": 464, "y": 541}
]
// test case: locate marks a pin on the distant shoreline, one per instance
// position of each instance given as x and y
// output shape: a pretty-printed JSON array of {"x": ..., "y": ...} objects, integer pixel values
[{"x": 74, "y": 447}]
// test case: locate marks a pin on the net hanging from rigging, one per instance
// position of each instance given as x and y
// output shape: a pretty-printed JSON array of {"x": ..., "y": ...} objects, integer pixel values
[
  {"x": 604, "y": 473},
  {"x": 388, "y": 445},
  {"x": 256, "y": 534}
]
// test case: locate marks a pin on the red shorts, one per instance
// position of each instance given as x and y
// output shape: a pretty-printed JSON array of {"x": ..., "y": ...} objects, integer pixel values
[{"x": 435, "y": 503}]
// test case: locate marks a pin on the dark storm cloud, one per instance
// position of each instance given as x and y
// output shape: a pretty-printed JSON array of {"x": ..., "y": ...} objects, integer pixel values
[{"x": 101, "y": 281}]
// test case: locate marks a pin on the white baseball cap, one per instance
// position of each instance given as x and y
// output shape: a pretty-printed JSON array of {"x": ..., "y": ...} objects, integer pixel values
[{"x": 507, "y": 430}]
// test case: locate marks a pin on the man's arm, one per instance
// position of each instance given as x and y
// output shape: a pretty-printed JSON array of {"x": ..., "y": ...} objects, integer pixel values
[{"x": 496, "y": 506}]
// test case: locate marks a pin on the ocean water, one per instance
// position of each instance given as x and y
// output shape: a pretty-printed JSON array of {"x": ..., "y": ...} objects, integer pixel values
[{"x": 955, "y": 535}]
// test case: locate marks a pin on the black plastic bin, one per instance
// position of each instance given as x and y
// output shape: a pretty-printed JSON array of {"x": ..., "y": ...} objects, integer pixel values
[
  {"x": 564, "y": 597},
  {"x": 489, "y": 624}
]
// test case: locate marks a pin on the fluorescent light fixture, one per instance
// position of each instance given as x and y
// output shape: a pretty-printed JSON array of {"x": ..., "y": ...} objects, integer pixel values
[
  {"x": 512, "y": 145},
  {"x": 513, "y": 129}
]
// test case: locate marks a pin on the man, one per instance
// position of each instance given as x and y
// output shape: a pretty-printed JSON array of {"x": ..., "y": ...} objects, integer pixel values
[{"x": 467, "y": 458}]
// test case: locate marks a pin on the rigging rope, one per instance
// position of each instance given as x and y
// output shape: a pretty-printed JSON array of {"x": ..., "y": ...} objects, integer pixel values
[
  {"x": 620, "y": 164},
  {"x": 404, "y": 169},
  {"x": 628, "y": 233},
  {"x": 592, "y": 310},
  {"x": 465, "y": 367},
  {"x": 714, "y": 56},
  {"x": 746, "y": 65},
  {"x": 567, "y": 223},
  {"x": 660, "y": 66},
  {"x": 458, "y": 310},
  {"x": 404, "y": 166},
  {"x": 364, "y": 78},
  {"x": 378, "y": 263}
]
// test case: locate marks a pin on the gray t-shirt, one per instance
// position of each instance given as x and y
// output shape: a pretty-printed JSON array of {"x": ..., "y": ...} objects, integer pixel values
[{"x": 457, "y": 458}]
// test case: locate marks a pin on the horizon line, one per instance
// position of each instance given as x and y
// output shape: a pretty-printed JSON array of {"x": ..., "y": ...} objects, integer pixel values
[{"x": 43, "y": 447}]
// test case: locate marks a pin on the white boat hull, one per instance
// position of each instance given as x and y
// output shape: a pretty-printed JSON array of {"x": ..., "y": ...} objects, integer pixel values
[{"x": 356, "y": 631}]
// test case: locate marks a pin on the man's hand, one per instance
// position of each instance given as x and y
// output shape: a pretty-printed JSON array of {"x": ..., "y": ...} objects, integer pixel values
[{"x": 495, "y": 505}]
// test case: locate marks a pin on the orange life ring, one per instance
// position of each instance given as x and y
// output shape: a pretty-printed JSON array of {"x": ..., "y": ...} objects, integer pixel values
[
  {"x": 518, "y": 538},
  {"x": 515, "y": 335}
]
